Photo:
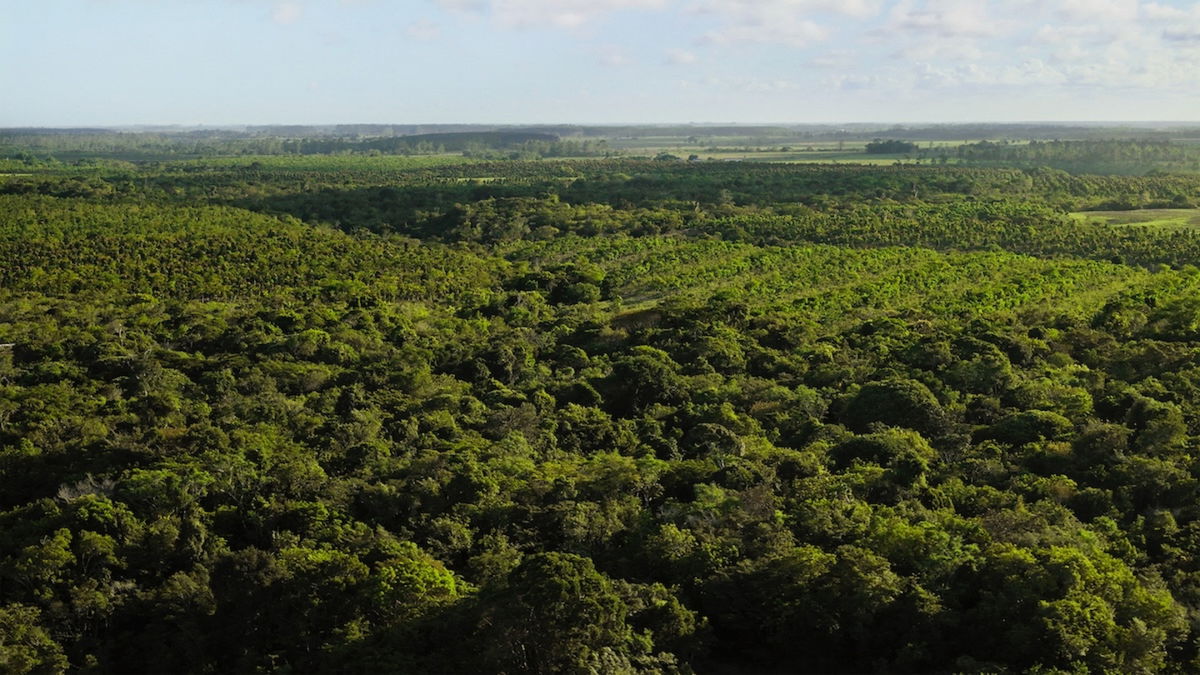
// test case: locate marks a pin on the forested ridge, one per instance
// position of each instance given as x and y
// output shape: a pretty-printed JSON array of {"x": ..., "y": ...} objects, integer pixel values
[{"x": 388, "y": 414}]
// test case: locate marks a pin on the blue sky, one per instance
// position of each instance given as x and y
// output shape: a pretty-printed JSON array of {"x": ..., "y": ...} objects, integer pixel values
[{"x": 107, "y": 62}]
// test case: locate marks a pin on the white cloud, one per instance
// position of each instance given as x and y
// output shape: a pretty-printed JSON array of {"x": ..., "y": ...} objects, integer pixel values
[
  {"x": 614, "y": 56},
  {"x": 1182, "y": 35},
  {"x": 747, "y": 85},
  {"x": 861, "y": 9},
  {"x": 859, "y": 82},
  {"x": 287, "y": 12},
  {"x": 791, "y": 31},
  {"x": 1079, "y": 41},
  {"x": 909, "y": 45},
  {"x": 1157, "y": 12},
  {"x": 950, "y": 50},
  {"x": 789, "y": 22},
  {"x": 423, "y": 29},
  {"x": 681, "y": 57},
  {"x": 464, "y": 5},
  {"x": 1102, "y": 45},
  {"x": 782, "y": 21},
  {"x": 945, "y": 19},
  {"x": 1032, "y": 72},
  {"x": 768, "y": 86},
  {"x": 841, "y": 59},
  {"x": 1099, "y": 10},
  {"x": 1025, "y": 75},
  {"x": 556, "y": 13}
]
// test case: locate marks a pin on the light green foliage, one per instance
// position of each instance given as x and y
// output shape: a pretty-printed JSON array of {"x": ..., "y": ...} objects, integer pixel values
[
  {"x": 303, "y": 413},
  {"x": 25, "y": 647}
]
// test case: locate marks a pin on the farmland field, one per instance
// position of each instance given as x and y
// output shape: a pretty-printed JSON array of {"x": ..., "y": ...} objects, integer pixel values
[{"x": 1183, "y": 218}]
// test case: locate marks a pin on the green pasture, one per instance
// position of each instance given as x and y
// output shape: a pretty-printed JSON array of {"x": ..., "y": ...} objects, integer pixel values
[
  {"x": 333, "y": 163},
  {"x": 1169, "y": 218},
  {"x": 787, "y": 150}
]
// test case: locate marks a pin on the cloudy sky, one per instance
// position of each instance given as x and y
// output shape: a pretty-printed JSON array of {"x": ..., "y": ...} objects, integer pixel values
[{"x": 81, "y": 62}]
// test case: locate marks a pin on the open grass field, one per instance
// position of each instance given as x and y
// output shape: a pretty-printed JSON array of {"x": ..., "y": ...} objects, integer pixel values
[
  {"x": 832, "y": 156},
  {"x": 326, "y": 163},
  {"x": 1170, "y": 218},
  {"x": 787, "y": 150}
]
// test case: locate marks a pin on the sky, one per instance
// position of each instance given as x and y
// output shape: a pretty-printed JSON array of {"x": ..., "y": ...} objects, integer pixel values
[{"x": 227, "y": 62}]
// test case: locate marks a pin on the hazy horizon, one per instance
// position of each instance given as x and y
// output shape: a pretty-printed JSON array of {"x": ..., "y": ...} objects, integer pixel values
[{"x": 862, "y": 124}]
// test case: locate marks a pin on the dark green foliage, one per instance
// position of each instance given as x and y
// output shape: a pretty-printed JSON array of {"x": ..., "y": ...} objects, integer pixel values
[
  {"x": 354, "y": 414},
  {"x": 1030, "y": 426},
  {"x": 25, "y": 647},
  {"x": 890, "y": 146},
  {"x": 906, "y": 453},
  {"x": 1134, "y": 156},
  {"x": 553, "y": 614},
  {"x": 897, "y": 403},
  {"x": 644, "y": 378}
]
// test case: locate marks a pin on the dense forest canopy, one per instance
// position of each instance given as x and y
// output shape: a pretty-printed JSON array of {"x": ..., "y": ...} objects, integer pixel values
[
  {"x": 889, "y": 146},
  {"x": 309, "y": 412}
]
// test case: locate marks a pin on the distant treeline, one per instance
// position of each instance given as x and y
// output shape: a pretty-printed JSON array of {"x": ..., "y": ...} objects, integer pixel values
[
  {"x": 795, "y": 132},
  {"x": 491, "y": 144},
  {"x": 890, "y": 146},
  {"x": 1088, "y": 156},
  {"x": 73, "y": 144}
]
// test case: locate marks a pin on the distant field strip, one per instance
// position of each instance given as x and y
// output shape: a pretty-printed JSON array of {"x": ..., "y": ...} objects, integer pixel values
[{"x": 1147, "y": 217}]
